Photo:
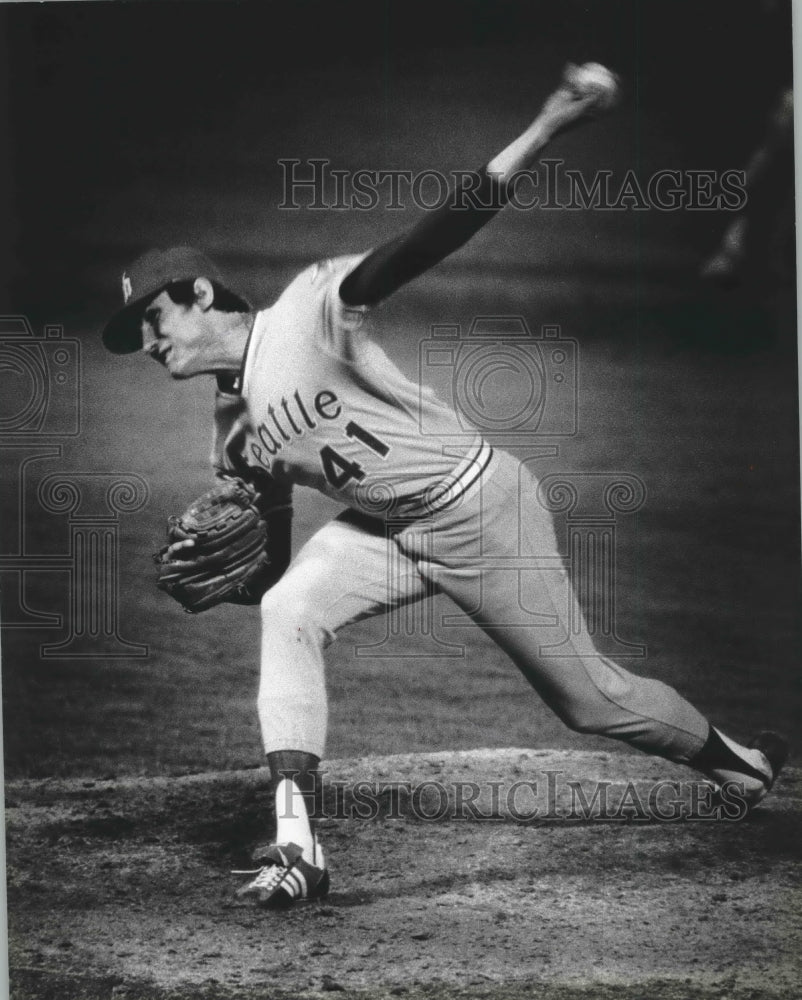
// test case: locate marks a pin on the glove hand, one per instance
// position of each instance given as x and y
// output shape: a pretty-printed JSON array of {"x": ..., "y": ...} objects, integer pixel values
[
  {"x": 169, "y": 552},
  {"x": 216, "y": 550}
]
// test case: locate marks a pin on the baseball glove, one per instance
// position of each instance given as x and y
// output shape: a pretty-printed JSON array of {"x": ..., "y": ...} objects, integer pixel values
[{"x": 229, "y": 561}]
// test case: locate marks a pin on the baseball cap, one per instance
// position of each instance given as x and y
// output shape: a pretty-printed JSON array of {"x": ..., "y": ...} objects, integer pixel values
[{"x": 142, "y": 281}]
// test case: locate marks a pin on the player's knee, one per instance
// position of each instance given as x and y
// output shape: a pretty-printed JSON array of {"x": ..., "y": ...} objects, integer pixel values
[
  {"x": 282, "y": 604},
  {"x": 293, "y": 613}
]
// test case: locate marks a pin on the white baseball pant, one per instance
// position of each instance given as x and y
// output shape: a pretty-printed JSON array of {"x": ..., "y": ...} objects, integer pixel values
[{"x": 354, "y": 568}]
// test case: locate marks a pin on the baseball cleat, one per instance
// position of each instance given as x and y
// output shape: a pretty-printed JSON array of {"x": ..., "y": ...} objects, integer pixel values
[
  {"x": 775, "y": 751},
  {"x": 286, "y": 877}
]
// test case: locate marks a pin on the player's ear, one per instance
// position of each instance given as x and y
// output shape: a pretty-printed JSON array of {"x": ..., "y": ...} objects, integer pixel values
[{"x": 204, "y": 293}]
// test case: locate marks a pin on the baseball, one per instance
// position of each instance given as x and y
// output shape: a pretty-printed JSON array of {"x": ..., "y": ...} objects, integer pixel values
[{"x": 593, "y": 77}]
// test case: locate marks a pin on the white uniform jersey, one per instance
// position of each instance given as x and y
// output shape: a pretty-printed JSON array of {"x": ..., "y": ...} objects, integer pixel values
[{"x": 323, "y": 406}]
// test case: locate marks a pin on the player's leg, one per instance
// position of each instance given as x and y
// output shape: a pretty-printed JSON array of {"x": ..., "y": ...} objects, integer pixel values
[
  {"x": 476, "y": 560},
  {"x": 478, "y": 555},
  {"x": 753, "y": 239},
  {"x": 340, "y": 576}
]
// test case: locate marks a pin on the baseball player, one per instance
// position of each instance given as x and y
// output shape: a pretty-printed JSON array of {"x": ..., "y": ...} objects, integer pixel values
[{"x": 305, "y": 396}]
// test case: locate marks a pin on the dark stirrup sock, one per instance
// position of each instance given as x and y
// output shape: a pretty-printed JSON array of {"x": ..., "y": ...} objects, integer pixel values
[
  {"x": 302, "y": 769},
  {"x": 717, "y": 755}
]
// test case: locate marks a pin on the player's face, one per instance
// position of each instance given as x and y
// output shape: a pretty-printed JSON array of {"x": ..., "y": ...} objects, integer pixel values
[{"x": 177, "y": 336}]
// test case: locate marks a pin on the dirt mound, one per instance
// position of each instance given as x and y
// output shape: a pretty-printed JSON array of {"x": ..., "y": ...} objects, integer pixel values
[{"x": 484, "y": 873}]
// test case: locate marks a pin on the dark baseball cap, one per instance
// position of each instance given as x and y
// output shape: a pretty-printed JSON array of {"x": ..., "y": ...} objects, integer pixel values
[{"x": 142, "y": 281}]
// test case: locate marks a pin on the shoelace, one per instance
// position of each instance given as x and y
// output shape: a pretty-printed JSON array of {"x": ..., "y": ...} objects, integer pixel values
[
  {"x": 271, "y": 875},
  {"x": 270, "y": 878}
]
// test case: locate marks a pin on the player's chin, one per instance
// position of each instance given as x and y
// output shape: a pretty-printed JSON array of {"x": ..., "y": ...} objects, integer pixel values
[
  {"x": 183, "y": 366},
  {"x": 177, "y": 371}
]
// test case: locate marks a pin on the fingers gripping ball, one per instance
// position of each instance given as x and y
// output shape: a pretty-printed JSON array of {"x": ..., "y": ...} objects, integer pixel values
[
  {"x": 594, "y": 79},
  {"x": 227, "y": 561}
]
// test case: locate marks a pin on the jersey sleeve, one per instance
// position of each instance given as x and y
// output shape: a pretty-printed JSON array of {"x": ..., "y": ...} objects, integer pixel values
[{"x": 342, "y": 327}]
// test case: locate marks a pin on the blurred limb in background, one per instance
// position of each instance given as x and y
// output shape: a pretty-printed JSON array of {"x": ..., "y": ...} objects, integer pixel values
[{"x": 758, "y": 242}]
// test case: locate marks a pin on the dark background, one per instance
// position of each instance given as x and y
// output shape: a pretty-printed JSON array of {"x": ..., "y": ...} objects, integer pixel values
[
  {"x": 138, "y": 124},
  {"x": 116, "y": 109}
]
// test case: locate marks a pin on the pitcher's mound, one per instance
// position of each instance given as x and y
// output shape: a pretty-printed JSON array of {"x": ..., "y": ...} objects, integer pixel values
[{"x": 488, "y": 873}]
